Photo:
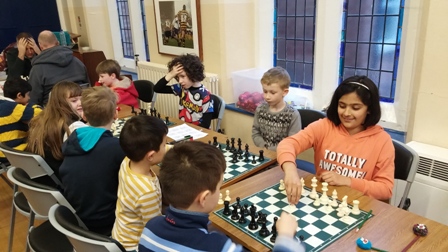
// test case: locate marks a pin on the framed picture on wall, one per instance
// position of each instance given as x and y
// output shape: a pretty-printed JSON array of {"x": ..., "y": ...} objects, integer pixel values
[{"x": 178, "y": 25}]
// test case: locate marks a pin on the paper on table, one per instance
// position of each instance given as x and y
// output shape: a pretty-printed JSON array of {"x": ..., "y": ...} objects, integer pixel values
[{"x": 179, "y": 132}]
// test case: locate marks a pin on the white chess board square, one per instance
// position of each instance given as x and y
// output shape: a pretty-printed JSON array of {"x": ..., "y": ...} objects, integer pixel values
[
  {"x": 227, "y": 175},
  {"x": 308, "y": 209},
  {"x": 332, "y": 230},
  {"x": 310, "y": 219},
  {"x": 271, "y": 200},
  {"x": 306, "y": 200},
  {"x": 328, "y": 219},
  {"x": 272, "y": 208},
  {"x": 241, "y": 169},
  {"x": 348, "y": 220},
  {"x": 255, "y": 200},
  {"x": 312, "y": 230},
  {"x": 314, "y": 241},
  {"x": 271, "y": 192}
]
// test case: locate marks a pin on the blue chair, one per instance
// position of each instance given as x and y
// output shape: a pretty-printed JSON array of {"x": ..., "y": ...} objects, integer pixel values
[{"x": 308, "y": 116}]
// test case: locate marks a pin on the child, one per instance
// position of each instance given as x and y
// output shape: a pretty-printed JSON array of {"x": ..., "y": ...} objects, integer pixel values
[
  {"x": 109, "y": 76},
  {"x": 92, "y": 160},
  {"x": 49, "y": 127},
  {"x": 19, "y": 58},
  {"x": 349, "y": 148},
  {"x": 143, "y": 141},
  {"x": 274, "y": 119},
  {"x": 191, "y": 176},
  {"x": 194, "y": 105},
  {"x": 15, "y": 114}
]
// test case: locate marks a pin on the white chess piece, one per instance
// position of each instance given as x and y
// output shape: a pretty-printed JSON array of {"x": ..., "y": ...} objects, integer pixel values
[
  {"x": 346, "y": 212},
  {"x": 340, "y": 212},
  {"x": 316, "y": 202},
  {"x": 227, "y": 196},
  {"x": 334, "y": 196},
  {"x": 355, "y": 209},
  {"x": 324, "y": 197},
  {"x": 220, "y": 201},
  {"x": 303, "y": 185},
  {"x": 313, "y": 193},
  {"x": 329, "y": 209},
  {"x": 281, "y": 187}
]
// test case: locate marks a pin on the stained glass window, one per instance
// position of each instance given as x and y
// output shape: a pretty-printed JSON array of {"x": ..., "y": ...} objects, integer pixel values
[
  {"x": 294, "y": 22},
  {"x": 370, "y": 42},
  {"x": 125, "y": 28}
]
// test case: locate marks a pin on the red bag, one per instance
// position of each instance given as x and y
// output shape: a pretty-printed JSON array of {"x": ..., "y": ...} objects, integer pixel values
[{"x": 3, "y": 63}]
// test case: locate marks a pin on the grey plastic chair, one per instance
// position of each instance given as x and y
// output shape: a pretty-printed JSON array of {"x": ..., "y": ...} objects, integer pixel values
[{"x": 406, "y": 164}]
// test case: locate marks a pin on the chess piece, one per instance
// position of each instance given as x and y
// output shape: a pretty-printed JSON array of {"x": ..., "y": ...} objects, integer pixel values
[
  {"x": 313, "y": 193},
  {"x": 281, "y": 187},
  {"x": 220, "y": 201},
  {"x": 227, "y": 144},
  {"x": 260, "y": 217},
  {"x": 346, "y": 213},
  {"x": 264, "y": 232},
  {"x": 253, "y": 160},
  {"x": 227, "y": 196},
  {"x": 209, "y": 142},
  {"x": 227, "y": 208},
  {"x": 334, "y": 196},
  {"x": 261, "y": 158},
  {"x": 232, "y": 141},
  {"x": 340, "y": 212},
  {"x": 240, "y": 151},
  {"x": 253, "y": 224},
  {"x": 355, "y": 209},
  {"x": 215, "y": 140},
  {"x": 240, "y": 155},
  {"x": 238, "y": 205},
  {"x": 158, "y": 115},
  {"x": 246, "y": 147},
  {"x": 235, "y": 215},
  {"x": 316, "y": 202},
  {"x": 324, "y": 197},
  {"x": 246, "y": 209},
  {"x": 302, "y": 181},
  {"x": 328, "y": 208},
  {"x": 167, "y": 120},
  {"x": 242, "y": 219},
  {"x": 274, "y": 230},
  {"x": 253, "y": 211},
  {"x": 246, "y": 157}
]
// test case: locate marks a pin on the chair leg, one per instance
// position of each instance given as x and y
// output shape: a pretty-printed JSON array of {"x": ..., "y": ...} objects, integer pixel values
[
  {"x": 30, "y": 226},
  {"x": 13, "y": 218}
]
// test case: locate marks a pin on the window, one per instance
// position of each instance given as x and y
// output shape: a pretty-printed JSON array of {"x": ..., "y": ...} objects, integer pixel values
[
  {"x": 370, "y": 42},
  {"x": 294, "y": 22},
  {"x": 125, "y": 28}
]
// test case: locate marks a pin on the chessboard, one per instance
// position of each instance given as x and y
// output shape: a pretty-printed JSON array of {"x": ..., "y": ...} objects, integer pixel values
[
  {"x": 119, "y": 123},
  {"x": 243, "y": 163},
  {"x": 316, "y": 227}
]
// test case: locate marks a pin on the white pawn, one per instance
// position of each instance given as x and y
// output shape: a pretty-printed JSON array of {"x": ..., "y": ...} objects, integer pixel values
[
  {"x": 281, "y": 187},
  {"x": 220, "y": 201},
  {"x": 313, "y": 193},
  {"x": 329, "y": 209},
  {"x": 346, "y": 211},
  {"x": 227, "y": 196},
  {"x": 340, "y": 212},
  {"x": 355, "y": 209},
  {"x": 316, "y": 202},
  {"x": 334, "y": 196},
  {"x": 324, "y": 197}
]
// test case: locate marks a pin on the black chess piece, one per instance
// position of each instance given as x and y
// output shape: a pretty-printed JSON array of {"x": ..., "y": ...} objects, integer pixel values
[
  {"x": 253, "y": 210},
  {"x": 232, "y": 141},
  {"x": 274, "y": 230},
  {"x": 215, "y": 141},
  {"x": 242, "y": 219},
  {"x": 264, "y": 232},
  {"x": 227, "y": 144},
  {"x": 234, "y": 158},
  {"x": 261, "y": 158},
  {"x": 167, "y": 119},
  {"x": 253, "y": 224},
  {"x": 253, "y": 160},
  {"x": 158, "y": 115},
  {"x": 226, "y": 208},
  {"x": 240, "y": 155},
  {"x": 260, "y": 217},
  {"x": 301, "y": 238},
  {"x": 246, "y": 157},
  {"x": 238, "y": 205},
  {"x": 246, "y": 209},
  {"x": 209, "y": 142},
  {"x": 133, "y": 111},
  {"x": 235, "y": 215},
  {"x": 246, "y": 147},
  {"x": 240, "y": 151}
]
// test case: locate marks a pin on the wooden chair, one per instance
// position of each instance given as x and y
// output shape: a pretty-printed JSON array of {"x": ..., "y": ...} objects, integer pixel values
[
  {"x": 66, "y": 222},
  {"x": 308, "y": 116}
]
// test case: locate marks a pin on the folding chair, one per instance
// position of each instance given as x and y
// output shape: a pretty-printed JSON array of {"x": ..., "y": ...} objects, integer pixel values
[
  {"x": 146, "y": 94},
  {"x": 40, "y": 198},
  {"x": 66, "y": 222},
  {"x": 219, "y": 106},
  {"x": 406, "y": 164},
  {"x": 308, "y": 116},
  {"x": 36, "y": 167}
]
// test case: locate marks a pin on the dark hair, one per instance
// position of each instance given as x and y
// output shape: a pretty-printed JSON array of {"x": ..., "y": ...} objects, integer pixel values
[
  {"x": 192, "y": 65},
  {"x": 16, "y": 86},
  {"x": 368, "y": 94},
  {"x": 25, "y": 35},
  {"x": 142, "y": 134},
  {"x": 188, "y": 169}
]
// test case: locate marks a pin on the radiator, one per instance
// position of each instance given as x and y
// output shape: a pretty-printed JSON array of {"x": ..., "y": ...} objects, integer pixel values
[
  {"x": 429, "y": 192},
  {"x": 168, "y": 104}
]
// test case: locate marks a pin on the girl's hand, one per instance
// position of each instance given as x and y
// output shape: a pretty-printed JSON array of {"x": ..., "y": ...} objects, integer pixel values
[
  {"x": 293, "y": 185},
  {"x": 33, "y": 44},
  {"x": 21, "y": 47},
  {"x": 334, "y": 179}
]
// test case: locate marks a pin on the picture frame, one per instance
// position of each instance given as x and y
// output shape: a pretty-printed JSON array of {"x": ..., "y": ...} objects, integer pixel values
[{"x": 178, "y": 25}]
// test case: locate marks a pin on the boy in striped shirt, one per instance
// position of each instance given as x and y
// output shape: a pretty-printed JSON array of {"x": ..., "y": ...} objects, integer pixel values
[{"x": 143, "y": 140}]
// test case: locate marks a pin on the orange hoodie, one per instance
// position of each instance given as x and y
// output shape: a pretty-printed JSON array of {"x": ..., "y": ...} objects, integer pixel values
[{"x": 366, "y": 157}]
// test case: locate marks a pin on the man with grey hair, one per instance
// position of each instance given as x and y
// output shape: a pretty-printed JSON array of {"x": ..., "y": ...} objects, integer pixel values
[{"x": 55, "y": 63}]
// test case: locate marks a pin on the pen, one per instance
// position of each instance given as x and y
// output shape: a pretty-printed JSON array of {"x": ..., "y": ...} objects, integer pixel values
[{"x": 362, "y": 223}]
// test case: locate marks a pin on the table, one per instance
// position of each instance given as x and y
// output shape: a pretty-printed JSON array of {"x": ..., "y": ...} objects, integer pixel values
[
  {"x": 390, "y": 229},
  {"x": 126, "y": 111}
]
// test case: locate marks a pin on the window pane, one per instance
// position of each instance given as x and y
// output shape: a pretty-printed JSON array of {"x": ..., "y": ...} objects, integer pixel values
[
  {"x": 309, "y": 28},
  {"x": 362, "y": 56},
  {"x": 291, "y": 9},
  {"x": 281, "y": 47},
  {"x": 300, "y": 8},
  {"x": 391, "y": 30},
  {"x": 366, "y": 7},
  {"x": 379, "y": 7},
  {"x": 281, "y": 27},
  {"x": 385, "y": 84},
  {"x": 388, "y": 58},
  {"x": 350, "y": 55},
  {"x": 375, "y": 56},
  {"x": 378, "y": 29},
  {"x": 393, "y": 7},
  {"x": 300, "y": 28},
  {"x": 299, "y": 51},
  {"x": 353, "y": 7},
  {"x": 352, "y": 29},
  {"x": 290, "y": 27},
  {"x": 290, "y": 49},
  {"x": 364, "y": 29}
]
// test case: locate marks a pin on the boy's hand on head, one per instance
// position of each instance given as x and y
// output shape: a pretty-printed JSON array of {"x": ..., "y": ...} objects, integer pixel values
[
  {"x": 174, "y": 72},
  {"x": 21, "y": 46},
  {"x": 286, "y": 225},
  {"x": 33, "y": 44},
  {"x": 334, "y": 179},
  {"x": 293, "y": 184}
]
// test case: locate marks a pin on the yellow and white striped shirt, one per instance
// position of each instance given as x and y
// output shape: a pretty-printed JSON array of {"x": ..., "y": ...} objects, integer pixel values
[{"x": 139, "y": 200}]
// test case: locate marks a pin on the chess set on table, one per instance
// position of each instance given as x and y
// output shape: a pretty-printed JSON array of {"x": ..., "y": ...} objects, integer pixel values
[
  {"x": 318, "y": 225},
  {"x": 119, "y": 123},
  {"x": 238, "y": 161}
]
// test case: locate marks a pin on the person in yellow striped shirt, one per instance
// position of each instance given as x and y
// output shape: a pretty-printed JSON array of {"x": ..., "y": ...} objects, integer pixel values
[{"x": 143, "y": 140}]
